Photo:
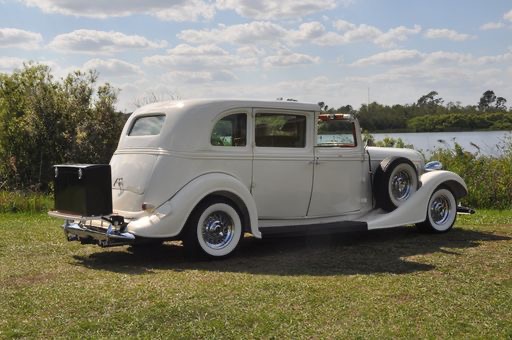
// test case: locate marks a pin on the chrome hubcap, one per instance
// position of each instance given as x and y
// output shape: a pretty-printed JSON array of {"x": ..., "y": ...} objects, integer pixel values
[
  {"x": 440, "y": 210},
  {"x": 217, "y": 230},
  {"x": 401, "y": 185}
]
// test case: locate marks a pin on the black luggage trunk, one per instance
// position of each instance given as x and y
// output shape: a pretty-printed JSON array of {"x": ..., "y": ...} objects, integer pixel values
[{"x": 83, "y": 189}]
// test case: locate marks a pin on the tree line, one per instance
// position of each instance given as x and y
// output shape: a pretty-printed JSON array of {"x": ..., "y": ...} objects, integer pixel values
[{"x": 429, "y": 113}]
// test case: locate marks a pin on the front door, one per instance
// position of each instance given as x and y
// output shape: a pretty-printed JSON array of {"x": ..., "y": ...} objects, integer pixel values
[
  {"x": 338, "y": 172},
  {"x": 283, "y": 163}
]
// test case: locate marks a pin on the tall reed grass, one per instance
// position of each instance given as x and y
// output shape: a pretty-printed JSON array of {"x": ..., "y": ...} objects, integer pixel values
[{"x": 28, "y": 202}]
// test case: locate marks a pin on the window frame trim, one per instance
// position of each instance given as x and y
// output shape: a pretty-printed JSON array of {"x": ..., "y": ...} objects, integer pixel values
[
  {"x": 306, "y": 114},
  {"x": 249, "y": 136},
  {"x": 354, "y": 134}
]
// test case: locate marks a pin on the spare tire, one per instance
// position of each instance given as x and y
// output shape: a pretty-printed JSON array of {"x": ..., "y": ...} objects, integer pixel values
[{"x": 396, "y": 180}]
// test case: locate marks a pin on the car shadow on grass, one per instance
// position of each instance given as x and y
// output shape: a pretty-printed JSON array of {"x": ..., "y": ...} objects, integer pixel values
[{"x": 396, "y": 251}]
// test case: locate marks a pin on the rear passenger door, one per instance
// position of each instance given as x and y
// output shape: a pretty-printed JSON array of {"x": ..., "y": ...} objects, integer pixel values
[{"x": 283, "y": 163}]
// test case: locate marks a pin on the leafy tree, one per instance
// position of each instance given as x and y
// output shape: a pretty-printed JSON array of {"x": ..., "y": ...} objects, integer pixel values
[
  {"x": 44, "y": 121},
  {"x": 430, "y": 99},
  {"x": 488, "y": 97},
  {"x": 501, "y": 104}
]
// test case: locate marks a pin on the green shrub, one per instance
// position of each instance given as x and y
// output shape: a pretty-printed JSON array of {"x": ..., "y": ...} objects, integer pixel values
[
  {"x": 31, "y": 202},
  {"x": 489, "y": 179}
]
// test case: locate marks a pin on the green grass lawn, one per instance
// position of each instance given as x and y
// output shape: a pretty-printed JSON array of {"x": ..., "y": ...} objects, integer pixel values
[{"x": 390, "y": 283}]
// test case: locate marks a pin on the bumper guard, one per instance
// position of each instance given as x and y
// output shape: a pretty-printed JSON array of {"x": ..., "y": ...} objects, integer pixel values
[{"x": 76, "y": 229}]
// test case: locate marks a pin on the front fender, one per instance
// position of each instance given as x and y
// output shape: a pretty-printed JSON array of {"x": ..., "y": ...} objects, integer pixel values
[
  {"x": 414, "y": 210},
  {"x": 169, "y": 219}
]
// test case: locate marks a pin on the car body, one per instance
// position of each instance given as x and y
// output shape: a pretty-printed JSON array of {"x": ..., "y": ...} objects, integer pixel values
[{"x": 208, "y": 171}]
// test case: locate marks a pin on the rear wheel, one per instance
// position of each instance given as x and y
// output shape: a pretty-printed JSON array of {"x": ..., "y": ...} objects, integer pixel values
[
  {"x": 214, "y": 229},
  {"x": 441, "y": 212}
]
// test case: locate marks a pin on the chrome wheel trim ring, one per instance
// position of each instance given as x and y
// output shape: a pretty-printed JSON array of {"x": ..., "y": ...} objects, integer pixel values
[
  {"x": 401, "y": 185},
  {"x": 440, "y": 208},
  {"x": 217, "y": 230}
]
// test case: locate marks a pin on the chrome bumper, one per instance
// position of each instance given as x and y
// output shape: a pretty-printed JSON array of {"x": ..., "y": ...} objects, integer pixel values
[
  {"x": 81, "y": 228},
  {"x": 96, "y": 235}
]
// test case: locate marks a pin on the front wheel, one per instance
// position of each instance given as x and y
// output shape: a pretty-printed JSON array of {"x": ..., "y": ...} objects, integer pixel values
[
  {"x": 213, "y": 230},
  {"x": 441, "y": 212}
]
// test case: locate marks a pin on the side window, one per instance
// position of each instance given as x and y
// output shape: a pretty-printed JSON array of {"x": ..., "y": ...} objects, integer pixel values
[
  {"x": 230, "y": 131},
  {"x": 147, "y": 125},
  {"x": 280, "y": 130},
  {"x": 334, "y": 132}
]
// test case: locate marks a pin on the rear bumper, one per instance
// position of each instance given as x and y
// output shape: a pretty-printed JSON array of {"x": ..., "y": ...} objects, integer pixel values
[
  {"x": 90, "y": 230},
  {"x": 465, "y": 210}
]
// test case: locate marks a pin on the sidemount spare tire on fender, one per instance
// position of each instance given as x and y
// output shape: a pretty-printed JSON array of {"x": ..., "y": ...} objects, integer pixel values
[{"x": 395, "y": 181}]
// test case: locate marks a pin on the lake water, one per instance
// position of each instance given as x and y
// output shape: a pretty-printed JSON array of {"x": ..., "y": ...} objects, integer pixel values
[{"x": 485, "y": 142}]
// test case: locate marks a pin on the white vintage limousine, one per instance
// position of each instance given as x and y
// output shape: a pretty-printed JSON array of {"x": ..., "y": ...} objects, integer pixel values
[{"x": 208, "y": 171}]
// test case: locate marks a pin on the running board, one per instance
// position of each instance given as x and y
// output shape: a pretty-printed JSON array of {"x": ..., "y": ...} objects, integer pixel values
[{"x": 315, "y": 229}]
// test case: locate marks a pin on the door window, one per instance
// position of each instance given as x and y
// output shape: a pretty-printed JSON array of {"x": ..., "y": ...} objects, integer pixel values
[
  {"x": 230, "y": 131},
  {"x": 280, "y": 130}
]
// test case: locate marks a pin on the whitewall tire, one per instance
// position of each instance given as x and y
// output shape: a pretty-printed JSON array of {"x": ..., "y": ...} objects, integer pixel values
[
  {"x": 441, "y": 212},
  {"x": 395, "y": 183},
  {"x": 213, "y": 230}
]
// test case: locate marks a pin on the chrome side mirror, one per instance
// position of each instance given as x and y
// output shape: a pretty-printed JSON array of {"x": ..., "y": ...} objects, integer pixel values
[{"x": 433, "y": 166}]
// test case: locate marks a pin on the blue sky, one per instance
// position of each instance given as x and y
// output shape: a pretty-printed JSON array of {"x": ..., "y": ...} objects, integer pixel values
[{"x": 311, "y": 50}]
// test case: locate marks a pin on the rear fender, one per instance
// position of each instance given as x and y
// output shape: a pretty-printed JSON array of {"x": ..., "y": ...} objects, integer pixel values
[{"x": 169, "y": 218}]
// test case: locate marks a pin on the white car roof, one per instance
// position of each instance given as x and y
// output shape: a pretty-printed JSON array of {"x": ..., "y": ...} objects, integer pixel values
[
  {"x": 219, "y": 105},
  {"x": 188, "y": 123}
]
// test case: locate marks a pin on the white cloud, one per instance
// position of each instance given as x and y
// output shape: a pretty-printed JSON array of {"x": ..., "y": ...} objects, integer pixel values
[
  {"x": 16, "y": 38},
  {"x": 91, "y": 41},
  {"x": 343, "y": 26},
  {"x": 8, "y": 64},
  {"x": 199, "y": 77},
  {"x": 310, "y": 32},
  {"x": 205, "y": 57},
  {"x": 400, "y": 33},
  {"x": 492, "y": 26},
  {"x": 350, "y": 33},
  {"x": 191, "y": 10},
  {"x": 276, "y": 9},
  {"x": 257, "y": 31},
  {"x": 444, "y": 33},
  {"x": 113, "y": 68},
  {"x": 439, "y": 58},
  {"x": 175, "y": 10},
  {"x": 442, "y": 57},
  {"x": 500, "y": 58},
  {"x": 288, "y": 58},
  {"x": 187, "y": 50},
  {"x": 250, "y": 51},
  {"x": 390, "y": 57},
  {"x": 508, "y": 16}
]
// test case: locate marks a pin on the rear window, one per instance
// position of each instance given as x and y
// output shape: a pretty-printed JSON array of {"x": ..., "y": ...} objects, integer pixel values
[{"x": 147, "y": 125}]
